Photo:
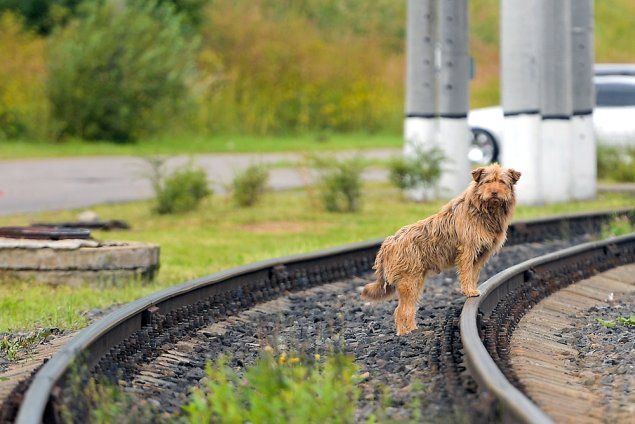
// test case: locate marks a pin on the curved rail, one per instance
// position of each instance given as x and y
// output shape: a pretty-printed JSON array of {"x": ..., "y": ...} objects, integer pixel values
[
  {"x": 584, "y": 260},
  {"x": 271, "y": 277}
]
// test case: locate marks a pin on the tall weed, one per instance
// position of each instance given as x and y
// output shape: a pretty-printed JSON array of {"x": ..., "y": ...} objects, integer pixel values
[{"x": 283, "y": 389}]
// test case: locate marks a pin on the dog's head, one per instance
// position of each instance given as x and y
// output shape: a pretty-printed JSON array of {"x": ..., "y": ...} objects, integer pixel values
[{"x": 494, "y": 185}]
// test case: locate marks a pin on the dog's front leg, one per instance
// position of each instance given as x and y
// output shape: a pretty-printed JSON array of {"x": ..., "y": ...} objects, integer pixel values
[{"x": 467, "y": 264}]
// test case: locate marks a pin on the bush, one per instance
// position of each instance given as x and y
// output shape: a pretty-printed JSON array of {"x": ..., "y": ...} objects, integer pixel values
[
  {"x": 119, "y": 72},
  {"x": 284, "y": 389},
  {"x": 422, "y": 170},
  {"x": 23, "y": 107},
  {"x": 340, "y": 184},
  {"x": 616, "y": 163},
  {"x": 249, "y": 185},
  {"x": 181, "y": 191}
]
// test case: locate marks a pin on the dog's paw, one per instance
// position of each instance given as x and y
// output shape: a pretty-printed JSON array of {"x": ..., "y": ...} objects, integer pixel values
[
  {"x": 402, "y": 331},
  {"x": 472, "y": 293}
]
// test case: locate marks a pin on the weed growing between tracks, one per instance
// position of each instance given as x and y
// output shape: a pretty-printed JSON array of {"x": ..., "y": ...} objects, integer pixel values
[
  {"x": 278, "y": 387},
  {"x": 220, "y": 235},
  {"x": 618, "y": 226},
  {"x": 286, "y": 388}
]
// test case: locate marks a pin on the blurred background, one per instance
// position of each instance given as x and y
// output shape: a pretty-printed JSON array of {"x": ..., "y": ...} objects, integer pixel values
[{"x": 191, "y": 70}]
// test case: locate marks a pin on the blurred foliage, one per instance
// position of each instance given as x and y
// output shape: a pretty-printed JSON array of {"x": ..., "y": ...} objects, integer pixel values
[
  {"x": 419, "y": 171},
  {"x": 263, "y": 66},
  {"x": 269, "y": 72},
  {"x": 119, "y": 72},
  {"x": 181, "y": 191},
  {"x": 249, "y": 185},
  {"x": 616, "y": 163},
  {"x": 340, "y": 183},
  {"x": 618, "y": 226},
  {"x": 614, "y": 31},
  {"x": 23, "y": 106},
  {"x": 44, "y": 15}
]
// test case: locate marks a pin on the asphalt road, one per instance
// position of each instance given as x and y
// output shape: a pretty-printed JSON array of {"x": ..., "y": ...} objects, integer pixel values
[{"x": 65, "y": 183}]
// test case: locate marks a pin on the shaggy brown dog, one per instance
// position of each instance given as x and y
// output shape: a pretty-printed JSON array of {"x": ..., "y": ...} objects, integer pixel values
[{"x": 465, "y": 233}]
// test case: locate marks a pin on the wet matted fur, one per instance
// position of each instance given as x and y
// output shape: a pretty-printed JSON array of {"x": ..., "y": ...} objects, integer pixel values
[{"x": 465, "y": 233}]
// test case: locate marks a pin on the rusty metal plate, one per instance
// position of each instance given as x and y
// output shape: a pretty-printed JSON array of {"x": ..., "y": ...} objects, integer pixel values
[
  {"x": 44, "y": 233},
  {"x": 114, "y": 224}
]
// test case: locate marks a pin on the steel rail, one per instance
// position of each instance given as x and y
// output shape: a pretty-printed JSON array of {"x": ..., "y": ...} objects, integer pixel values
[
  {"x": 97, "y": 339},
  {"x": 480, "y": 363}
]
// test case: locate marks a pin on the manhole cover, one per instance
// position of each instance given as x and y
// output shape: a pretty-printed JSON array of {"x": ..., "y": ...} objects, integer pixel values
[{"x": 45, "y": 233}]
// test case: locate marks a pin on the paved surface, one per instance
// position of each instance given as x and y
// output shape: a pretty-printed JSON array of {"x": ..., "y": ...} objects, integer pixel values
[
  {"x": 64, "y": 183},
  {"x": 617, "y": 187}
]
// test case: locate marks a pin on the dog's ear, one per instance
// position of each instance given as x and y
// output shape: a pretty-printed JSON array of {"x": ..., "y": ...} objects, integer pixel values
[
  {"x": 515, "y": 175},
  {"x": 477, "y": 174}
]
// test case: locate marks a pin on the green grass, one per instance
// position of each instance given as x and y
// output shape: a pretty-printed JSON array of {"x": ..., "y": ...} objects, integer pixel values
[
  {"x": 10, "y": 149},
  {"x": 628, "y": 321},
  {"x": 220, "y": 235}
]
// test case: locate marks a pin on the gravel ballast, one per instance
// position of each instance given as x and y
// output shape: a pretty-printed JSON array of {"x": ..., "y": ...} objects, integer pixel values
[{"x": 426, "y": 365}]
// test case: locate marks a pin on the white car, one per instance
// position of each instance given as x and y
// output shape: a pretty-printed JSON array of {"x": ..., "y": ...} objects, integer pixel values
[{"x": 613, "y": 115}]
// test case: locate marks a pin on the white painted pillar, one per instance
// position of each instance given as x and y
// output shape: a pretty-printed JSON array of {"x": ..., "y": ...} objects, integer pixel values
[
  {"x": 520, "y": 92},
  {"x": 584, "y": 161},
  {"x": 556, "y": 102},
  {"x": 420, "y": 126},
  {"x": 453, "y": 83}
]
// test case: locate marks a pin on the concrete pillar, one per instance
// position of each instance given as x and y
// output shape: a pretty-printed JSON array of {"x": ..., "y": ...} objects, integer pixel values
[
  {"x": 520, "y": 92},
  {"x": 420, "y": 124},
  {"x": 556, "y": 102},
  {"x": 583, "y": 161},
  {"x": 453, "y": 95}
]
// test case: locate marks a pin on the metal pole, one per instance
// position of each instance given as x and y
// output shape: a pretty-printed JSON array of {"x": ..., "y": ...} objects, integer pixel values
[
  {"x": 584, "y": 165},
  {"x": 421, "y": 105},
  {"x": 520, "y": 91},
  {"x": 453, "y": 94},
  {"x": 556, "y": 103}
]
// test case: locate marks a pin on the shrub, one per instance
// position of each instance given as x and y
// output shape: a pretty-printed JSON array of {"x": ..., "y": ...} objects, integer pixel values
[
  {"x": 616, "y": 163},
  {"x": 181, "y": 191},
  {"x": 119, "y": 72},
  {"x": 283, "y": 389},
  {"x": 422, "y": 170},
  {"x": 23, "y": 107},
  {"x": 249, "y": 185},
  {"x": 340, "y": 183}
]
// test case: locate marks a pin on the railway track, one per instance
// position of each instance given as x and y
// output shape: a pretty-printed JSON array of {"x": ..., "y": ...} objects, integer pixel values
[
  {"x": 488, "y": 322},
  {"x": 156, "y": 347}
]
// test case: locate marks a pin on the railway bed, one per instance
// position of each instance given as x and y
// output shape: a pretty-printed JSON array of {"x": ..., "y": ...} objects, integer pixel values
[{"x": 158, "y": 345}]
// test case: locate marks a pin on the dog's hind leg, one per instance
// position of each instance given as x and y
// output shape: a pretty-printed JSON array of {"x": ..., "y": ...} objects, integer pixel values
[{"x": 409, "y": 290}]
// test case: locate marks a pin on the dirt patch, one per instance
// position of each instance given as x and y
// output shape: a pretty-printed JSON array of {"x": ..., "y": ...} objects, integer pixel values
[{"x": 277, "y": 227}]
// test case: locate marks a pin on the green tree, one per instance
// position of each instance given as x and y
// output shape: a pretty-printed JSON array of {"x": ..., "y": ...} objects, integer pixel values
[
  {"x": 42, "y": 15},
  {"x": 120, "y": 70}
]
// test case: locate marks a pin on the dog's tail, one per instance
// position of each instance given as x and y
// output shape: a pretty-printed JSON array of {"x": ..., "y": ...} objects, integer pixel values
[{"x": 380, "y": 289}]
